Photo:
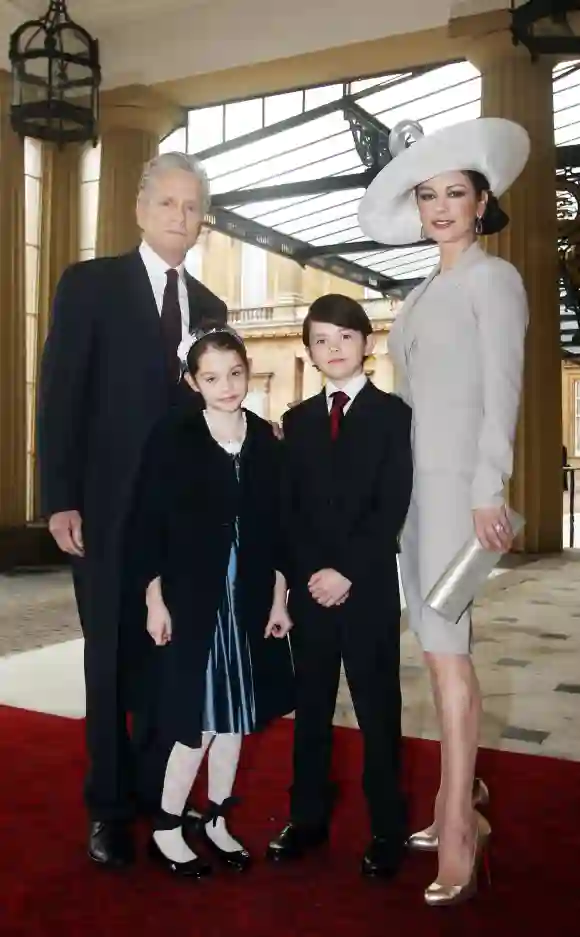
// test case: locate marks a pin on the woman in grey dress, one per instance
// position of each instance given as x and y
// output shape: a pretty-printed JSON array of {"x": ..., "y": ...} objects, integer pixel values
[{"x": 458, "y": 349}]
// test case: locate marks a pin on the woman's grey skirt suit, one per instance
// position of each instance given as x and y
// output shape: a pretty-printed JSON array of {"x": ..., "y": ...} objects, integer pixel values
[{"x": 458, "y": 350}]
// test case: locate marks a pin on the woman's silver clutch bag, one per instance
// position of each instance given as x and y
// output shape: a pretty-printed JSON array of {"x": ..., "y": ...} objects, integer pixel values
[{"x": 457, "y": 587}]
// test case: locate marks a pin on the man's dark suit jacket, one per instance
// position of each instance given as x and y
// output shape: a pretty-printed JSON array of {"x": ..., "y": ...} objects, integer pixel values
[{"x": 104, "y": 384}]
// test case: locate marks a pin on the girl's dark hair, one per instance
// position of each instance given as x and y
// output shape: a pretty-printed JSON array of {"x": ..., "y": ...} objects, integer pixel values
[
  {"x": 222, "y": 340},
  {"x": 494, "y": 218},
  {"x": 336, "y": 309}
]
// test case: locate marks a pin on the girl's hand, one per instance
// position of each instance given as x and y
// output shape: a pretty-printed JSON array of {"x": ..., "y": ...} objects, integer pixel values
[
  {"x": 493, "y": 529},
  {"x": 279, "y": 623},
  {"x": 159, "y": 623}
]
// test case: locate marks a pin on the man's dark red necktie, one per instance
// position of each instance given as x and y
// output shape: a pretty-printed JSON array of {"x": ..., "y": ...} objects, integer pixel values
[
  {"x": 171, "y": 321},
  {"x": 339, "y": 402}
]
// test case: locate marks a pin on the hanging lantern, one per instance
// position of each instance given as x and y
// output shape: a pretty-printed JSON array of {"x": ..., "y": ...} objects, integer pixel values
[
  {"x": 55, "y": 79},
  {"x": 546, "y": 27}
]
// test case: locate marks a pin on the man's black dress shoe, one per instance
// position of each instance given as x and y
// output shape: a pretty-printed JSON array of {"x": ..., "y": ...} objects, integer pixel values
[
  {"x": 382, "y": 859},
  {"x": 294, "y": 841},
  {"x": 111, "y": 844},
  {"x": 195, "y": 868}
]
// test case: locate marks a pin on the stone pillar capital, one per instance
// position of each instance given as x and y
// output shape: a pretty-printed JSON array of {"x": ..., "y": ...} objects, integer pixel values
[
  {"x": 137, "y": 107},
  {"x": 488, "y": 50}
]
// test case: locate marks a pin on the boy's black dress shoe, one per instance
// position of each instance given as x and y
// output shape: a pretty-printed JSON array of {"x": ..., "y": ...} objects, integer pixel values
[
  {"x": 382, "y": 858},
  {"x": 294, "y": 841},
  {"x": 111, "y": 844},
  {"x": 195, "y": 868}
]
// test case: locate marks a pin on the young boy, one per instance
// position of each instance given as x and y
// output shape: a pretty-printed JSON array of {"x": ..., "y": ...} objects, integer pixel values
[{"x": 349, "y": 478}]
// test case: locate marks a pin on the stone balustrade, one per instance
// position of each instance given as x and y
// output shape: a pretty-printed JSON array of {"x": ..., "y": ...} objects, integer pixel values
[{"x": 291, "y": 315}]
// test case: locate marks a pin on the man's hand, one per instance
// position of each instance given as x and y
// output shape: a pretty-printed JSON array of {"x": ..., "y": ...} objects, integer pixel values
[
  {"x": 328, "y": 587},
  {"x": 67, "y": 529},
  {"x": 493, "y": 529},
  {"x": 277, "y": 430}
]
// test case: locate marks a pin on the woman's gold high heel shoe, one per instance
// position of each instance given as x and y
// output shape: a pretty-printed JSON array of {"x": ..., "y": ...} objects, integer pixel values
[
  {"x": 427, "y": 840},
  {"x": 437, "y": 895}
]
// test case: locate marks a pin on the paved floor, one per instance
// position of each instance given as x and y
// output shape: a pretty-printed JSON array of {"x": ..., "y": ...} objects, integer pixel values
[
  {"x": 36, "y": 609},
  {"x": 527, "y": 653}
]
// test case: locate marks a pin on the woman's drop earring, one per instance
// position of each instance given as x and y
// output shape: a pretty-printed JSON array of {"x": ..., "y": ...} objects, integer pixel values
[
  {"x": 478, "y": 225},
  {"x": 422, "y": 233}
]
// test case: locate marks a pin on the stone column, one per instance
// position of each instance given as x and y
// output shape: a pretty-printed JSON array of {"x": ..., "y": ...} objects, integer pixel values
[
  {"x": 133, "y": 120},
  {"x": 312, "y": 381},
  {"x": 384, "y": 376},
  {"x": 514, "y": 88},
  {"x": 222, "y": 266},
  {"x": 285, "y": 281},
  {"x": 60, "y": 220},
  {"x": 12, "y": 321},
  {"x": 59, "y": 244}
]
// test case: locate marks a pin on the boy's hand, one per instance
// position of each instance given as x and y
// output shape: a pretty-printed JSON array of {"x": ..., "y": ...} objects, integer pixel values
[
  {"x": 159, "y": 623},
  {"x": 328, "y": 587}
]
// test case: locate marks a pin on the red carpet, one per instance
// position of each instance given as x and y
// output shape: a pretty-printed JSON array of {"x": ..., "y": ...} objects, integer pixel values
[{"x": 49, "y": 889}]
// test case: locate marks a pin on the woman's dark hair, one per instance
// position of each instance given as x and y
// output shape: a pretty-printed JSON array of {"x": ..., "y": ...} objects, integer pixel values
[
  {"x": 222, "y": 340},
  {"x": 339, "y": 310},
  {"x": 494, "y": 217}
]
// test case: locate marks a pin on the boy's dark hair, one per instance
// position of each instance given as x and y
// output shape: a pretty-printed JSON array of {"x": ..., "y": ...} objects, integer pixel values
[{"x": 336, "y": 309}]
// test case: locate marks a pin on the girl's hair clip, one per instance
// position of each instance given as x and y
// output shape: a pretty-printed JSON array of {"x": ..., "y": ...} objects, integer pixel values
[{"x": 192, "y": 338}]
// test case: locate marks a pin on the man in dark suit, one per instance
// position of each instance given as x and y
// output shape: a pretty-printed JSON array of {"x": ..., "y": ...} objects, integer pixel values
[
  {"x": 109, "y": 373},
  {"x": 349, "y": 478}
]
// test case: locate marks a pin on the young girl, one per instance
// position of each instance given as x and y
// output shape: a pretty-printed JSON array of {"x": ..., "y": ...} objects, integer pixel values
[{"x": 207, "y": 521}]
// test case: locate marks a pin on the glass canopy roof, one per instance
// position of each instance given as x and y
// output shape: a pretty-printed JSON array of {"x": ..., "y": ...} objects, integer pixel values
[
  {"x": 304, "y": 135},
  {"x": 567, "y": 103}
]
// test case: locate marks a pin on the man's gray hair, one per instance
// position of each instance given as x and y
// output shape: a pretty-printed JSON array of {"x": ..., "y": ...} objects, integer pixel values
[{"x": 165, "y": 162}]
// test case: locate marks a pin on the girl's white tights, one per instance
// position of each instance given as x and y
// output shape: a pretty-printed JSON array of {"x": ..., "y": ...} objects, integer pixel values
[
  {"x": 222, "y": 766},
  {"x": 182, "y": 769}
]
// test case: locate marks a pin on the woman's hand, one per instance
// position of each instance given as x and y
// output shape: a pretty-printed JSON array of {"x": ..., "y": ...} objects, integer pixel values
[
  {"x": 279, "y": 622},
  {"x": 159, "y": 624},
  {"x": 493, "y": 529}
]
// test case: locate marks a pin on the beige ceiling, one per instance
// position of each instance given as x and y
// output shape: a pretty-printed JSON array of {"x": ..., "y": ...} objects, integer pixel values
[
  {"x": 152, "y": 41},
  {"x": 106, "y": 14},
  {"x": 97, "y": 15}
]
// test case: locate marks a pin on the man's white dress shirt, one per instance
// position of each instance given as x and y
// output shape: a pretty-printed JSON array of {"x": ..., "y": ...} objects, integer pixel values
[{"x": 157, "y": 272}]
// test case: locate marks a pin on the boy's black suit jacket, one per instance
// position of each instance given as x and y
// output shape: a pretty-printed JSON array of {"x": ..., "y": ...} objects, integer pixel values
[{"x": 346, "y": 501}]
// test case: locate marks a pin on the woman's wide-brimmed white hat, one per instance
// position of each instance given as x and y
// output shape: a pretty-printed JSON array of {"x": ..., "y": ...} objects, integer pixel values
[{"x": 492, "y": 146}]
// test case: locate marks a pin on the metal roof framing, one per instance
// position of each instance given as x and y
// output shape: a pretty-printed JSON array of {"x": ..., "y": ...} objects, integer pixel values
[{"x": 292, "y": 185}]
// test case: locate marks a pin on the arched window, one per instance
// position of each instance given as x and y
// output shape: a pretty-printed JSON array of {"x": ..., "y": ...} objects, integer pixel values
[
  {"x": 32, "y": 216},
  {"x": 89, "y": 201}
]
